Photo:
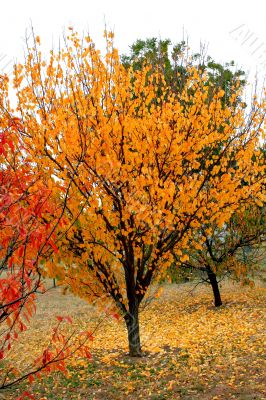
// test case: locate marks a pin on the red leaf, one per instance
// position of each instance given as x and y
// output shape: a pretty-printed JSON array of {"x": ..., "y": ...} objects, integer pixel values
[
  {"x": 51, "y": 243},
  {"x": 20, "y": 251},
  {"x": 23, "y": 231},
  {"x": 11, "y": 145},
  {"x": 22, "y": 327},
  {"x": 1, "y": 354},
  {"x": 2, "y": 150},
  {"x": 88, "y": 354},
  {"x": 115, "y": 315},
  {"x": 68, "y": 319},
  {"x": 90, "y": 336},
  {"x": 10, "y": 262},
  {"x": 24, "y": 395}
]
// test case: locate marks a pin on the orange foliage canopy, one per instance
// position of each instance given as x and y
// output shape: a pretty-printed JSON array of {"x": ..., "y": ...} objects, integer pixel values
[{"x": 148, "y": 165}]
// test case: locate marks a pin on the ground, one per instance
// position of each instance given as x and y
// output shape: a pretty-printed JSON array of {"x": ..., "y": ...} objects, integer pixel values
[{"x": 192, "y": 350}]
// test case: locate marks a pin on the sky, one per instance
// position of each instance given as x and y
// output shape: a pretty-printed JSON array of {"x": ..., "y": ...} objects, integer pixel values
[{"x": 231, "y": 29}]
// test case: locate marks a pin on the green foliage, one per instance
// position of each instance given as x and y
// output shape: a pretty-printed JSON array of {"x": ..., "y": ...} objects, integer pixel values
[
  {"x": 173, "y": 61},
  {"x": 234, "y": 250}
]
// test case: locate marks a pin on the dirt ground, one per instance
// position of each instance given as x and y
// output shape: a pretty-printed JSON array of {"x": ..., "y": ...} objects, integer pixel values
[{"x": 192, "y": 350}]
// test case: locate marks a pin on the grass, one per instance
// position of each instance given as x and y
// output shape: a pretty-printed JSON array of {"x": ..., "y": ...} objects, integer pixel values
[{"x": 191, "y": 350}]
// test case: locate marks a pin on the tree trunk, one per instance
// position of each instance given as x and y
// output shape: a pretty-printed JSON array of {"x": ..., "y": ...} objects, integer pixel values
[
  {"x": 132, "y": 322},
  {"x": 215, "y": 288}
]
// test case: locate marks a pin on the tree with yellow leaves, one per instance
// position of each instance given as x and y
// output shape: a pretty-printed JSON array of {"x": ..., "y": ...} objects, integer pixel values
[{"x": 147, "y": 170}]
